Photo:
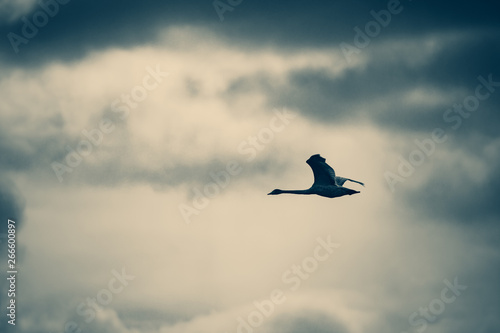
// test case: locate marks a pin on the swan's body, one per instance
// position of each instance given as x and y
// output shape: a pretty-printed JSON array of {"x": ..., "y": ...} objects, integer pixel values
[{"x": 326, "y": 184}]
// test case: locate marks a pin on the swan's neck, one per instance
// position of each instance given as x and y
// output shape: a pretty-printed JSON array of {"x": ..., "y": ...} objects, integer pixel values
[{"x": 297, "y": 191}]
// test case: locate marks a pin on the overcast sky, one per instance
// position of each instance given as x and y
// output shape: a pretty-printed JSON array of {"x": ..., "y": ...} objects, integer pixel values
[{"x": 138, "y": 141}]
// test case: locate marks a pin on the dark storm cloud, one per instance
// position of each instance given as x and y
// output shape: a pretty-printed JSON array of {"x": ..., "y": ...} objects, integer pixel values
[
  {"x": 450, "y": 194},
  {"x": 354, "y": 96},
  {"x": 376, "y": 92},
  {"x": 460, "y": 62},
  {"x": 82, "y": 26}
]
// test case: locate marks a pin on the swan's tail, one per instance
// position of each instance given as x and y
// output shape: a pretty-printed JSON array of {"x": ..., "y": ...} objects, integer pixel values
[{"x": 351, "y": 192}]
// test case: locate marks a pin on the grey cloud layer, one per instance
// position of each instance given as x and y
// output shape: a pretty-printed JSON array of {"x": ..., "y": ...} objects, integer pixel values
[{"x": 82, "y": 26}]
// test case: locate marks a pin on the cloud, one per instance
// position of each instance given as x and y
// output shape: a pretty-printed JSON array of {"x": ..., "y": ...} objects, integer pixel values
[
  {"x": 388, "y": 85},
  {"x": 12, "y": 10},
  {"x": 307, "y": 322},
  {"x": 77, "y": 29},
  {"x": 462, "y": 187},
  {"x": 12, "y": 202}
]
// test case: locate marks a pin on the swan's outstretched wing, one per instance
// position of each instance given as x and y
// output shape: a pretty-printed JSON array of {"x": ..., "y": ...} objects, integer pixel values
[{"x": 323, "y": 173}]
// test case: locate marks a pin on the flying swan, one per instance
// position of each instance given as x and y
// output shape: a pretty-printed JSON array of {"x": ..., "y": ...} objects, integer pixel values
[{"x": 326, "y": 184}]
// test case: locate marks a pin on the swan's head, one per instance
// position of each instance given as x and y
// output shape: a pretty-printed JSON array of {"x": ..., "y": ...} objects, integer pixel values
[{"x": 276, "y": 191}]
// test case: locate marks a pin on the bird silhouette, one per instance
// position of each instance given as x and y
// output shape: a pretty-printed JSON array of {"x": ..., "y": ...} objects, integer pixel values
[{"x": 326, "y": 184}]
